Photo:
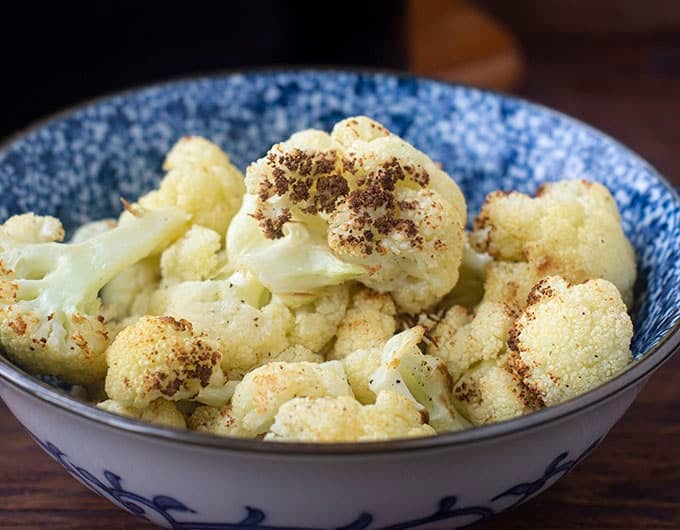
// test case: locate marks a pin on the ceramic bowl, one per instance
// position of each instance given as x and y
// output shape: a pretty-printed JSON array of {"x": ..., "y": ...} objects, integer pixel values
[{"x": 79, "y": 163}]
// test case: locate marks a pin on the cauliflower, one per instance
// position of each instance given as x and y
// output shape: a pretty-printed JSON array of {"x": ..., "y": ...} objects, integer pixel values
[
  {"x": 92, "y": 229},
  {"x": 295, "y": 354},
  {"x": 472, "y": 277},
  {"x": 236, "y": 313},
  {"x": 369, "y": 322},
  {"x": 488, "y": 392},
  {"x": 30, "y": 228},
  {"x": 195, "y": 256},
  {"x": 461, "y": 340},
  {"x": 160, "y": 357},
  {"x": 128, "y": 294},
  {"x": 343, "y": 419},
  {"x": 571, "y": 228},
  {"x": 259, "y": 396},
  {"x": 509, "y": 283},
  {"x": 570, "y": 338},
  {"x": 363, "y": 204},
  {"x": 201, "y": 181},
  {"x": 316, "y": 321},
  {"x": 399, "y": 366},
  {"x": 214, "y": 420},
  {"x": 49, "y": 309},
  {"x": 160, "y": 412}
]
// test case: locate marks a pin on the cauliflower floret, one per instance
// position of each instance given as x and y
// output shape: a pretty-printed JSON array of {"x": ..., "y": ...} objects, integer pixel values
[
  {"x": 488, "y": 392},
  {"x": 215, "y": 420},
  {"x": 462, "y": 340},
  {"x": 369, "y": 208},
  {"x": 201, "y": 181},
  {"x": 509, "y": 283},
  {"x": 92, "y": 229},
  {"x": 195, "y": 256},
  {"x": 399, "y": 366},
  {"x": 30, "y": 228},
  {"x": 570, "y": 338},
  {"x": 160, "y": 357},
  {"x": 235, "y": 313},
  {"x": 128, "y": 294},
  {"x": 160, "y": 412},
  {"x": 343, "y": 419},
  {"x": 472, "y": 274},
  {"x": 572, "y": 229},
  {"x": 317, "y": 320},
  {"x": 295, "y": 354},
  {"x": 259, "y": 396},
  {"x": 50, "y": 321},
  {"x": 369, "y": 322}
]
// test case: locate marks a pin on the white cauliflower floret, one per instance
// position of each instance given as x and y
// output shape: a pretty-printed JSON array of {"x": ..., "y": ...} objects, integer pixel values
[
  {"x": 369, "y": 208},
  {"x": 195, "y": 256},
  {"x": 461, "y": 340},
  {"x": 343, "y": 419},
  {"x": 369, "y": 322},
  {"x": 50, "y": 320},
  {"x": 359, "y": 367},
  {"x": 92, "y": 229},
  {"x": 259, "y": 396},
  {"x": 236, "y": 313},
  {"x": 509, "y": 283},
  {"x": 214, "y": 420},
  {"x": 160, "y": 412},
  {"x": 201, "y": 181},
  {"x": 160, "y": 357},
  {"x": 570, "y": 338},
  {"x": 128, "y": 294},
  {"x": 30, "y": 228},
  {"x": 488, "y": 393},
  {"x": 295, "y": 354},
  {"x": 317, "y": 320},
  {"x": 571, "y": 228}
]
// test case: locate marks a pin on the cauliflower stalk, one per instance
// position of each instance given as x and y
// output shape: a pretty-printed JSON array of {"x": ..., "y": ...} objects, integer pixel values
[
  {"x": 359, "y": 203},
  {"x": 50, "y": 321}
]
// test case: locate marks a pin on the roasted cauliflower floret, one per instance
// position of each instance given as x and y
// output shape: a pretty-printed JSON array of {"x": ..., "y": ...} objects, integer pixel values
[
  {"x": 344, "y": 419},
  {"x": 571, "y": 228},
  {"x": 509, "y": 283},
  {"x": 369, "y": 322},
  {"x": 461, "y": 339},
  {"x": 488, "y": 392},
  {"x": 195, "y": 256},
  {"x": 316, "y": 321},
  {"x": 128, "y": 294},
  {"x": 295, "y": 354},
  {"x": 259, "y": 396},
  {"x": 370, "y": 208},
  {"x": 200, "y": 180},
  {"x": 570, "y": 338},
  {"x": 160, "y": 412},
  {"x": 161, "y": 357},
  {"x": 214, "y": 420},
  {"x": 50, "y": 320},
  {"x": 92, "y": 229},
  {"x": 236, "y": 313},
  {"x": 30, "y": 228}
]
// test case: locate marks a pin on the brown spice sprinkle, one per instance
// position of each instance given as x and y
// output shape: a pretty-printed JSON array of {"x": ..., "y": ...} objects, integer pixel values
[{"x": 18, "y": 325}]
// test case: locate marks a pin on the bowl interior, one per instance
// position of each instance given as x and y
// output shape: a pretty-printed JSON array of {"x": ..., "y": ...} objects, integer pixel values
[{"x": 78, "y": 165}]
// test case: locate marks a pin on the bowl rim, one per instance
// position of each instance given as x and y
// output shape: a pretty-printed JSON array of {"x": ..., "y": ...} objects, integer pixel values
[{"x": 635, "y": 374}]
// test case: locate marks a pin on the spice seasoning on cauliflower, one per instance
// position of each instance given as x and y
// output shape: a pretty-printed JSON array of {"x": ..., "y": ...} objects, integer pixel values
[
  {"x": 570, "y": 338},
  {"x": 344, "y": 419},
  {"x": 571, "y": 228},
  {"x": 363, "y": 204},
  {"x": 50, "y": 319}
]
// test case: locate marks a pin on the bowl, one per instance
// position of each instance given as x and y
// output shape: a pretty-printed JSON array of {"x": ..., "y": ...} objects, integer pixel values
[{"x": 77, "y": 164}]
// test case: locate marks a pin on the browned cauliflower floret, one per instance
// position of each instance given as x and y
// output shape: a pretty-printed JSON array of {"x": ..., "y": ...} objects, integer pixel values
[
  {"x": 571, "y": 228},
  {"x": 488, "y": 392},
  {"x": 371, "y": 208},
  {"x": 214, "y": 420},
  {"x": 160, "y": 412},
  {"x": 344, "y": 419},
  {"x": 570, "y": 338},
  {"x": 369, "y": 322},
  {"x": 50, "y": 316},
  {"x": 161, "y": 357}
]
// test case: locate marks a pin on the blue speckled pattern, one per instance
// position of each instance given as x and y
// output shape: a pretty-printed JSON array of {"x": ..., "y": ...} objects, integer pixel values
[{"x": 77, "y": 166}]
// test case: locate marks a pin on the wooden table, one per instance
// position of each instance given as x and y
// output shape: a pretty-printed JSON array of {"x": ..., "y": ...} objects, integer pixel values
[{"x": 632, "y": 480}]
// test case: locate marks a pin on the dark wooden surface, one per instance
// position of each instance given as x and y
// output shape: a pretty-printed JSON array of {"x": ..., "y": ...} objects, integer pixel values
[{"x": 630, "y": 89}]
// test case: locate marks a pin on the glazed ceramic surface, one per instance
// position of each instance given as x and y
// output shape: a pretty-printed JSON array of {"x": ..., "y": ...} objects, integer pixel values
[{"x": 77, "y": 166}]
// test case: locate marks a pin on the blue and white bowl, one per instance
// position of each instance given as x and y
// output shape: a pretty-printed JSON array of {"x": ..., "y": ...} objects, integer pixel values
[{"x": 78, "y": 164}]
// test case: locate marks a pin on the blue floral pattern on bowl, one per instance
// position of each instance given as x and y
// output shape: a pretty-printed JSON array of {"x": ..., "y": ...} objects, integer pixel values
[
  {"x": 112, "y": 488},
  {"x": 77, "y": 166}
]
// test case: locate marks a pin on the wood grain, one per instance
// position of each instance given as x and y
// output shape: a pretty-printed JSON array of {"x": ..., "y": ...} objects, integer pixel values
[{"x": 632, "y": 480}]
